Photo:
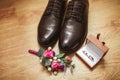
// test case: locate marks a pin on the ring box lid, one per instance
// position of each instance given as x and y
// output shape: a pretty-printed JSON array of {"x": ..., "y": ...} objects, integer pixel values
[{"x": 99, "y": 44}]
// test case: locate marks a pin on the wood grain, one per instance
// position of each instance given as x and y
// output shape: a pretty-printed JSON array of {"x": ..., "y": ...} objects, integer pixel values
[{"x": 18, "y": 33}]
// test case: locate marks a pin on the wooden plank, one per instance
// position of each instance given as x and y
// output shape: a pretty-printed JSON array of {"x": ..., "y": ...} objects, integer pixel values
[{"x": 18, "y": 33}]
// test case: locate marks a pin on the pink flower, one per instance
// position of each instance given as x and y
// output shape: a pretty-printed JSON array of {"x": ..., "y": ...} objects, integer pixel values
[
  {"x": 55, "y": 65},
  {"x": 49, "y": 54},
  {"x": 68, "y": 58}
]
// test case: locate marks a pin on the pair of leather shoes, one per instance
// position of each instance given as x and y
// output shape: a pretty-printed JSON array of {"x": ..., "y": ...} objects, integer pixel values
[{"x": 68, "y": 23}]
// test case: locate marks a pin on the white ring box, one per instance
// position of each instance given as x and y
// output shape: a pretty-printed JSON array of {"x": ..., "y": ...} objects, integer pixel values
[{"x": 93, "y": 51}]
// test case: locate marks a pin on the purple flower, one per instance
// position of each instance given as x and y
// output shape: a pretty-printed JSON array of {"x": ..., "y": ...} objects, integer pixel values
[{"x": 62, "y": 67}]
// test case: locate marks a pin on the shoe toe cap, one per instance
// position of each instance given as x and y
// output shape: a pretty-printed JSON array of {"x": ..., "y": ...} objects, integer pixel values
[{"x": 47, "y": 39}]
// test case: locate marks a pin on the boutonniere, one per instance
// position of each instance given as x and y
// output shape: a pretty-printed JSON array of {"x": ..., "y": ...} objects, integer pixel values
[{"x": 54, "y": 62}]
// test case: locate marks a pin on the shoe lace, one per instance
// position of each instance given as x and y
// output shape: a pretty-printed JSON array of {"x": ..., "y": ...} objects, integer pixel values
[
  {"x": 75, "y": 11},
  {"x": 54, "y": 7}
]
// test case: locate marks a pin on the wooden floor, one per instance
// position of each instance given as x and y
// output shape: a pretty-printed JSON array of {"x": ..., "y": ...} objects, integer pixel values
[{"x": 18, "y": 33}]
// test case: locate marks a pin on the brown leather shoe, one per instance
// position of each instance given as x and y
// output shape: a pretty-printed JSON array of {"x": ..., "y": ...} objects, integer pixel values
[
  {"x": 74, "y": 28},
  {"x": 49, "y": 26}
]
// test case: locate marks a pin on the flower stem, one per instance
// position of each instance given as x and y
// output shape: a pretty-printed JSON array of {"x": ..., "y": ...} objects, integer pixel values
[{"x": 33, "y": 52}]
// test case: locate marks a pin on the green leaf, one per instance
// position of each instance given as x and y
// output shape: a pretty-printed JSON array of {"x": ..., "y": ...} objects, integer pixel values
[
  {"x": 68, "y": 62},
  {"x": 47, "y": 62},
  {"x": 73, "y": 65},
  {"x": 65, "y": 68},
  {"x": 62, "y": 62},
  {"x": 60, "y": 55},
  {"x": 43, "y": 60},
  {"x": 64, "y": 59},
  {"x": 40, "y": 52},
  {"x": 72, "y": 68}
]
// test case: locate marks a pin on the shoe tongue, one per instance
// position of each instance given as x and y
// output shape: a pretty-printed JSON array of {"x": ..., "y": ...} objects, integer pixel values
[
  {"x": 79, "y": 2},
  {"x": 83, "y": 1}
]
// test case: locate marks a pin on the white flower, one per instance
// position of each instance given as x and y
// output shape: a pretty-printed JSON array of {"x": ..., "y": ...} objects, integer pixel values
[
  {"x": 55, "y": 72},
  {"x": 54, "y": 58},
  {"x": 40, "y": 60},
  {"x": 72, "y": 63},
  {"x": 59, "y": 60},
  {"x": 49, "y": 48},
  {"x": 49, "y": 69},
  {"x": 50, "y": 60}
]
